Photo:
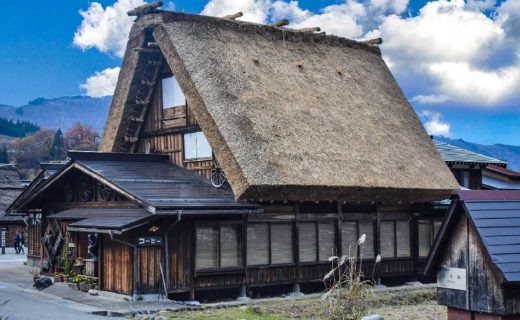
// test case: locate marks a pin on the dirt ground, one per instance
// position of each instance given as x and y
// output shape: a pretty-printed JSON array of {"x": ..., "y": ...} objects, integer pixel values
[{"x": 392, "y": 305}]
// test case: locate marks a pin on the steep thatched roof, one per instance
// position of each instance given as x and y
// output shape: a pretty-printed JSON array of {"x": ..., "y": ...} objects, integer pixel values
[{"x": 290, "y": 115}]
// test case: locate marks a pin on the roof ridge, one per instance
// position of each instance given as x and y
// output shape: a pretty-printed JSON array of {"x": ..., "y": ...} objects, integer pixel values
[{"x": 287, "y": 34}]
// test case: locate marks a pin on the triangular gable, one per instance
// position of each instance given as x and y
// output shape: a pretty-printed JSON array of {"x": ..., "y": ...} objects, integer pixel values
[{"x": 289, "y": 115}]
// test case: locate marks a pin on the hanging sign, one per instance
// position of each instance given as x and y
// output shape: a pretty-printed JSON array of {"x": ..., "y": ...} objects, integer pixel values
[{"x": 149, "y": 241}]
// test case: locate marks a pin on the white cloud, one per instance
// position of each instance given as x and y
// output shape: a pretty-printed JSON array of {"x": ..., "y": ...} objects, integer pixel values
[
  {"x": 434, "y": 125},
  {"x": 106, "y": 29},
  {"x": 102, "y": 83},
  {"x": 474, "y": 85},
  {"x": 430, "y": 99},
  {"x": 459, "y": 48},
  {"x": 253, "y": 10}
]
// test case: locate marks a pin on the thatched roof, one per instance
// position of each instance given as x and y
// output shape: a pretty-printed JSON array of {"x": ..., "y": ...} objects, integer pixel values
[{"x": 290, "y": 115}]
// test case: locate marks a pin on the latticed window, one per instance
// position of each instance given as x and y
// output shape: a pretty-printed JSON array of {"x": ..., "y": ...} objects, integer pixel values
[
  {"x": 317, "y": 241},
  {"x": 351, "y": 231},
  {"x": 269, "y": 243},
  {"x": 428, "y": 229},
  {"x": 395, "y": 238},
  {"x": 218, "y": 245}
]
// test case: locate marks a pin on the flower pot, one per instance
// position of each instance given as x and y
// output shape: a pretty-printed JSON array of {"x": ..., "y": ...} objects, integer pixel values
[{"x": 83, "y": 286}]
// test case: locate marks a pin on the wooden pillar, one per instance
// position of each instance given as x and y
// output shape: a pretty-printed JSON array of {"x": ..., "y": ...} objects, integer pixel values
[
  {"x": 243, "y": 289},
  {"x": 192, "y": 259},
  {"x": 166, "y": 263},
  {"x": 377, "y": 237},
  {"x": 339, "y": 235},
  {"x": 296, "y": 247}
]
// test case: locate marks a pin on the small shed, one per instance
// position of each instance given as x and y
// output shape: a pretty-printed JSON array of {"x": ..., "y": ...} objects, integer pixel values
[{"x": 476, "y": 256}]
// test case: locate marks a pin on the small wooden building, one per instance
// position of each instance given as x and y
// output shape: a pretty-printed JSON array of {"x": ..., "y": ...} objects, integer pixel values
[
  {"x": 477, "y": 256},
  {"x": 242, "y": 156},
  {"x": 10, "y": 188},
  {"x": 468, "y": 167},
  {"x": 498, "y": 177}
]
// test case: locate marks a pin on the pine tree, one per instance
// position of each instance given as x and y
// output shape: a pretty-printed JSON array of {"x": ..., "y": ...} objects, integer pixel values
[
  {"x": 3, "y": 155},
  {"x": 56, "y": 149}
]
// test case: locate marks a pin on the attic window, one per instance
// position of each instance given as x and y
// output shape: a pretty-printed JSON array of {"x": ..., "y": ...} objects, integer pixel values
[
  {"x": 196, "y": 146},
  {"x": 172, "y": 95}
]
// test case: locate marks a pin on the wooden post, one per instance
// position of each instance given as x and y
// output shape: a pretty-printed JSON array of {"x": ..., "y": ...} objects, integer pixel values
[
  {"x": 243, "y": 291},
  {"x": 339, "y": 228},
  {"x": 296, "y": 248}
]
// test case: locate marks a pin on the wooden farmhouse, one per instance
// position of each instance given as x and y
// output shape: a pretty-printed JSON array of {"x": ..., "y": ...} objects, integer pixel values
[
  {"x": 10, "y": 188},
  {"x": 476, "y": 256},
  {"x": 239, "y": 157},
  {"x": 468, "y": 167}
]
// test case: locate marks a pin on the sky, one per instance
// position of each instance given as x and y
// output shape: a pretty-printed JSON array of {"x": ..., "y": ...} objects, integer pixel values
[{"x": 457, "y": 61}]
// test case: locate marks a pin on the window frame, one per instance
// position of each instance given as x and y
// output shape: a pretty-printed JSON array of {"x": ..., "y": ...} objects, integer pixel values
[
  {"x": 270, "y": 244},
  {"x": 374, "y": 236},
  {"x": 431, "y": 229},
  {"x": 219, "y": 225},
  {"x": 168, "y": 76},
  {"x": 395, "y": 254},
  {"x": 317, "y": 246},
  {"x": 184, "y": 159}
]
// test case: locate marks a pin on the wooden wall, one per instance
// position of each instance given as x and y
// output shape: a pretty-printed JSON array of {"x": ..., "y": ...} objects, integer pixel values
[
  {"x": 164, "y": 130},
  {"x": 148, "y": 269},
  {"x": 180, "y": 243},
  {"x": 116, "y": 266}
]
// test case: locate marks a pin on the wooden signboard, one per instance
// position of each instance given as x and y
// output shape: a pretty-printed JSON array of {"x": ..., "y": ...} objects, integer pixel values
[{"x": 452, "y": 278}]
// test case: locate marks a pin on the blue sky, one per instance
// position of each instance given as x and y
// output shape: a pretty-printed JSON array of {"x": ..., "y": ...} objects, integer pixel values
[{"x": 457, "y": 61}]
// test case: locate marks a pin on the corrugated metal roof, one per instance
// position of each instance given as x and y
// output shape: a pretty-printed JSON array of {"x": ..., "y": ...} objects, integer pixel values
[
  {"x": 453, "y": 154},
  {"x": 83, "y": 213},
  {"x": 498, "y": 223}
]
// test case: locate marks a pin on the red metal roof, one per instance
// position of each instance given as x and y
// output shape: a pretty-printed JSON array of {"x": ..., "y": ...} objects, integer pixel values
[
  {"x": 501, "y": 170},
  {"x": 487, "y": 195}
]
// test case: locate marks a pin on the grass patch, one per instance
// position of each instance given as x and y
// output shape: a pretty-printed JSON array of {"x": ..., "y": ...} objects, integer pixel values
[{"x": 398, "y": 305}]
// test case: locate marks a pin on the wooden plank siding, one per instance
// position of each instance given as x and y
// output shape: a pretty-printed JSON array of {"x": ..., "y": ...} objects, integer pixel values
[
  {"x": 180, "y": 246},
  {"x": 117, "y": 267},
  {"x": 148, "y": 269},
  {"x": 156, "y": 139}
]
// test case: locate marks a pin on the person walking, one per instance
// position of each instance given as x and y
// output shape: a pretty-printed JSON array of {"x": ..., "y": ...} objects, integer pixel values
[
  {"x": 17, "y": 240},
  {"x": 22, "y": 244}
]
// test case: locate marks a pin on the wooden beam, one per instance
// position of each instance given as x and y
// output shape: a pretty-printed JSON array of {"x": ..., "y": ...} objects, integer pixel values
[
  {"x": 145, "y": 9},
  {"x": 147, "y": 50},
  {"x": 280, "y": 23},
  {"x": 313, "y": 29},
  {"x": 130, "y": 139},
  {"x": 374, "y": 42},
  {"x": 233, "y": 16}
]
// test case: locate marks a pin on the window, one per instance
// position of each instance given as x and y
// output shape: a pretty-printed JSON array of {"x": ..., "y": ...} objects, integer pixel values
[
  {"x": 218, "y": 246},
  {"x": 257, "y": 244},
  {"x": 262, "y": 236},
  {"x": 196, "y": 146},
  {"x": 281, "y": 243},
  {"x": 308, "y": 239},
  {"x": 350, "y": 235},
  {"x": 172, "y": 95},
  {"x": 395, "y": 239},
  {"x": 463, "y": 177},
  {"x": 326, "y": 241},
  {"x": 428, "y": 229},
  {"x": 317, "y": 241}
]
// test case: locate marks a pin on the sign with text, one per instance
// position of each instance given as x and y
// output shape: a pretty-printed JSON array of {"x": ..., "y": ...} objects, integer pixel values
[
  {"x": 4, "y": 233},
  {"x": 149, "y": 241},
  {"x": 452, "y": 278}
]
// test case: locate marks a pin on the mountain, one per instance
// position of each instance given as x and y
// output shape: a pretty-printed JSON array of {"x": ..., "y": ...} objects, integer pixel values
[
  {"x": 61, "y": 112},
  {"x": 505, "y": 152}
]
